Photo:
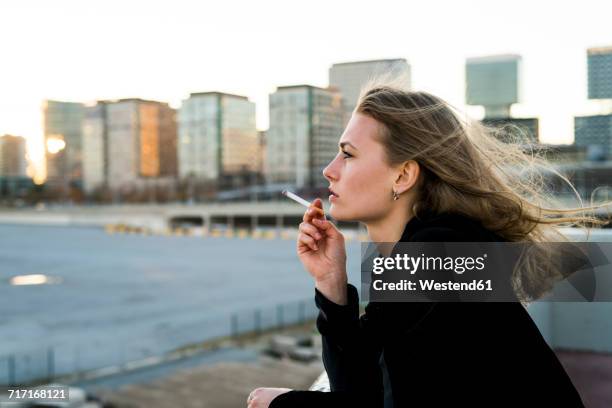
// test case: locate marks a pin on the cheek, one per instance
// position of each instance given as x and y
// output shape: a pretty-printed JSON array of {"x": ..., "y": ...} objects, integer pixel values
[
  {"x": 367, "y": 193},
  {"x": 368, "y": 181}
]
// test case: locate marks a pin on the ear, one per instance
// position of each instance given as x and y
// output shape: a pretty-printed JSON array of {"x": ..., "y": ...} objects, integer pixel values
[{"x": 407, "y": 177}]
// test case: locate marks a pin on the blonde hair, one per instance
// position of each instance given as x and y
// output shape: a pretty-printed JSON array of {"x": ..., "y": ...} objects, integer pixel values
[{"x": 486, "y": 173}]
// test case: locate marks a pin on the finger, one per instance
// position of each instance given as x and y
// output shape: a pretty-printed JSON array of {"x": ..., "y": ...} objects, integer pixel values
[
  {"x": 307, "y": 215},
  {"x": 315, "y": 210},
  {"x": 324, "y": 225},
  {"x": 317, "y": 205},
  {"x": 307, "y": 241},
  {"x": 311, "y": 230}
]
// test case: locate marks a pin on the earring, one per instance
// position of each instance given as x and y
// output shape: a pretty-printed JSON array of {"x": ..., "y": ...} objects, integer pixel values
[{"x": 395, "y": 195}]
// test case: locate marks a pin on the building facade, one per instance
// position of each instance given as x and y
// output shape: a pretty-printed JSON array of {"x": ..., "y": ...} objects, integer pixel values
[
  {"x": 129, "y": 142},
  {"x": 595, "y": 134},
  {"x": 493, "y": 82},
  {"x": 306, "y": 123},
  {"x": 13, "y": 159},
  {"x": 217, "y": 137},
  {"x": 95, "y": 147},
  {"x": 349, "y": 77},
  {"x": 599, "y": 66},
  {"x": 63, "y": 123}
]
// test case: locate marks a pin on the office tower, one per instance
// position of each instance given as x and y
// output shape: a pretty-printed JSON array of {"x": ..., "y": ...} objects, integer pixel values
[
  {"x": 349, "y": 77},
  {"x": 493, "y": 82},
  {"x": 12, "y": 156},
  {"x": 599, "y": 63},
  {"x": 95, "y": 147},
  {"x": 217, "y": 137},
  {"x": 306, "y": 123},
  {"x": 62, "y": 132},
  {"x": 128, "y": 142},
  {"x": 594, "y": 132},
  {"x": 14, "y": 181}
]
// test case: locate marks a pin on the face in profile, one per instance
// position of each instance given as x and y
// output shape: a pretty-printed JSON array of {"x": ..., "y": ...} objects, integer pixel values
[{"x": 359, "y": 174}]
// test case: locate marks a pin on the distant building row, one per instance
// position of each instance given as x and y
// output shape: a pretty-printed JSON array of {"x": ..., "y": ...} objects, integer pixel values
[
  {"x": 134, "y": 143},
  {"x": 212, "y": 136}
]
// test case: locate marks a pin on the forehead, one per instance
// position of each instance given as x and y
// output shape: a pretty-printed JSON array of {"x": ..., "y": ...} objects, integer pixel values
[{"x": 361, "y": 131}]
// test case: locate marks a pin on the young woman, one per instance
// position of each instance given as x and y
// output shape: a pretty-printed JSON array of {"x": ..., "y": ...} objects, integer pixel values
[{"x": 411, "y": 169}]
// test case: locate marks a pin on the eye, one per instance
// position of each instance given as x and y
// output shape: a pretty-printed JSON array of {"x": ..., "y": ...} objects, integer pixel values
[{"x": 347, "y": 155}]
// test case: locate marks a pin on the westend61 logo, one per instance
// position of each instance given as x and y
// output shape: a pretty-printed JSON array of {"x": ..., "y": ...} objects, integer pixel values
[{"x": 413, "y": 264}]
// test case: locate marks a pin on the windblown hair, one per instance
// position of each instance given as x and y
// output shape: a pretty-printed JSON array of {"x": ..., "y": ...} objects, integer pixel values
[{"x": 490, "y": 174}]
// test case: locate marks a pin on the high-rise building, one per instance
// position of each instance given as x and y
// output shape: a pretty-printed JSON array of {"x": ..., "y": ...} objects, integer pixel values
[
  {"x": 12, "y": 156},
  {"x": 305, "y": 125},
  {"x": 62, "y": 131},
  {"x": 63, "y": 122},
  {"x": 599, "y": 62},
  {"x": 128, "y": 142},
  {"x": 217, "y": 136},
  {"x": 95, "y": 147},
  {"x": 349, "y": 77},
  {"x": 493, "y": 82},
  {"x": 14, "y": 182},
  {"x": 595, "y": 134}
]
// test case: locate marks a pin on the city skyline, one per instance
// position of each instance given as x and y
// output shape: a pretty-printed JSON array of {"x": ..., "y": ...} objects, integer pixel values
[{"x": 73, "y": 61}]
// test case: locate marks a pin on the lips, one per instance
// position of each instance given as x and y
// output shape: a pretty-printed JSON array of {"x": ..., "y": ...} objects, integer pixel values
[{"x": 332, "y": 192}]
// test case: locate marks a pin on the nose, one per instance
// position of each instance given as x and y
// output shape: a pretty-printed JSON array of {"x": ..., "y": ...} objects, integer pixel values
[{"x": 330, "y": 172}]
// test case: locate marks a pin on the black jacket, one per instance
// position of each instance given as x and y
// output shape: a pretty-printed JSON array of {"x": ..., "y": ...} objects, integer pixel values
[{"x": 419, "y": 354}]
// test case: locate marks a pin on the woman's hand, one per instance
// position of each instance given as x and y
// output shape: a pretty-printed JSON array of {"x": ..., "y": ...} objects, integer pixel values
[
  {"x": 320, "y": 247},
  {"x": 261, "y": 397}
]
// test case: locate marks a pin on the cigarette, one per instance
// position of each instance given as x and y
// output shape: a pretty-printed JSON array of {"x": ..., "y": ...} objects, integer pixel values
[{"x": 300, "y": 200}]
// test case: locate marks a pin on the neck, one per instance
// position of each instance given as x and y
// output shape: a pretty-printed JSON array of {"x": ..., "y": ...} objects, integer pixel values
[{"x": 391, "y": 227}]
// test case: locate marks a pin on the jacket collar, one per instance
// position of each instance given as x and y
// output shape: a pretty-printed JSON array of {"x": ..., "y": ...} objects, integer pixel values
[
  {"x": 470, "y": 228},
  {"x": 417, "y": 223}
]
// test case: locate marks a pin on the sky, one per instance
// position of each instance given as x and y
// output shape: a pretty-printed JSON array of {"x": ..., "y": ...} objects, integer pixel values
[{"x": 164, "y": 50}]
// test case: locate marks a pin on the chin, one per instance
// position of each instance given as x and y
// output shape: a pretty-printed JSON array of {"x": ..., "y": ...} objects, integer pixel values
[
  {"x": 340, "y": 215},
  {"x": 337, "y": 215}
]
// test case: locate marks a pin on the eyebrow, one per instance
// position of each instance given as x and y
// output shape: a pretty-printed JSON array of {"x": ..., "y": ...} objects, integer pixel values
[{"x": 347, "y": 143}]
